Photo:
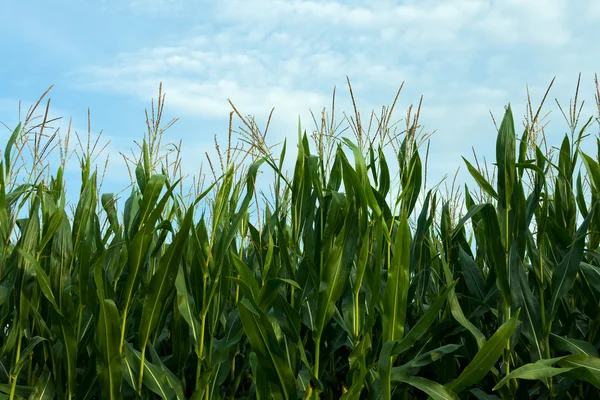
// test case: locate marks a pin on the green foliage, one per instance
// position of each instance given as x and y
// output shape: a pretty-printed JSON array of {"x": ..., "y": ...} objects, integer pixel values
[{"x": 342, "y": 289}]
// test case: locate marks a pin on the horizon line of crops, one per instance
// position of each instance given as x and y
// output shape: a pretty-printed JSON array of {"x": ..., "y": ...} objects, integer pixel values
[{"x": 326, "y": 291}]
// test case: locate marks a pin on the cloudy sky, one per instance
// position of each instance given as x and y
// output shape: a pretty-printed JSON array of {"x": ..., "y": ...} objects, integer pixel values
[{"x": 466, "y": 57}]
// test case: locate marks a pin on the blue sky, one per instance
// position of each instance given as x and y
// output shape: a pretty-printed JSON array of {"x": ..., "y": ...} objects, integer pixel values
[{"x": 467, "y": 57}]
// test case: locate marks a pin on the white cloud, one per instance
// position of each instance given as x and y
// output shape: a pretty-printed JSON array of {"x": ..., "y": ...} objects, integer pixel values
[
  {"x": 535, "y": 22},
  {"x": 256, "y": 72},
  {"x": 425, "y": 22},
  {"x": 466, "y": 56}
]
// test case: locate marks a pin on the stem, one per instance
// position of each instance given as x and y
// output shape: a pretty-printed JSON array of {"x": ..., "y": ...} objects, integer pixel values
[
  {"x": 198, "y": 370},
  {"x": 308, "y": 393},
  {"x": 507, "y": 307},
  {"x": 13, "y": 385},
  {"x": 236, "y": 384},
  {"x": 30, "y": 369},
  {"x": 201, "y": 349},
  {"x": 210, "y": 346},
  {"x": 296, "y": 239},
  {"x": 202, "y": 329},
  {"x": 317, "y": 357},
  {"x": 507, "y": 348},
  {"x": 233, "y": 368},
  {"x": 79, "y": 318},
  {"x": 140, "y": 379},
  {"x": 123, "y": 328},
  {"x": 546, "y": 329},
  {"x": 356, "y": 317},
  {"x": 292, "y": 294},
  {"x": 332, "y": 363}
]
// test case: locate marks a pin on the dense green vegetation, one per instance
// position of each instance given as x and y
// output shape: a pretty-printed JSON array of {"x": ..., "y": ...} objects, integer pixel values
[{"x": 345, "y": 282}]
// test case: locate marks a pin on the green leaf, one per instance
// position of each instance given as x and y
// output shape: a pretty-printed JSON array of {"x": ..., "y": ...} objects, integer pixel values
[
  {"x": 333, "y": 277},
  {"x": 592, "y": 273},
  {"x": 361, "y": 172},
  {"x": 187, "y": 307},
  {"x": 412, "y": 187},
  {"x": 564, "y": 274},
  {"x": 433, "y": 389},
  {"x": 287, "y": 317},
  {"x": 67, "y": 335},
  {"x": 532, "y": 319},
  {"x": 51, "y": 228},
  {"x": 485, "y": 358},
  {"x": 42, "y": 279},
  {"x": 457, "y": 311},
  {"x": 573, "y": 346},
  {"x": 109, "y": 360},
  {"x": 21, "y": 391},
  {"x": 422, "y": 326},
  {"x": 269, "y": 354},
  {"x": 202, "y": 385},
  {"x": 9, "y": 144},
  {"x": 358, "y": 368},
  {"x": 481, "y": 395},
  {"x": 161, "y": 284},
  {"x": 261, "y": 382},
  {"x": 423, "y": 360},
  {"x": 384, "y": 174},
  {"x": 154, "y": 379},
  {"x": 108, "y": 333},
  {"x": 44, "y": 388},
  {"x": 589, "y": 367},
  {"x": 539, "y": 370},
  {"x": 485, "y": 185},
  {"x": 152, "y": 191},
  {"x": 396, "y": 288},
  {"x": 385, "y": 368},
  {"x": 593, "y": 169},
  {"x": 16, "y": 370},
  {"x": 171, "y": 379},
  {"x": 472, "y": 274},
  {"x": 496, "y": 251},
  {"x": 505, "y": 158},
  {"x": 246, "y": 275}
]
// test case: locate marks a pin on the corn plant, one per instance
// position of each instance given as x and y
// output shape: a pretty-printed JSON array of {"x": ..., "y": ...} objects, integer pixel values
[{"x": 352, "y": 284}]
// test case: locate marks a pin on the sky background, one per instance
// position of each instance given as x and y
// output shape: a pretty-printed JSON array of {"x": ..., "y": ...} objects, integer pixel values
[{"x": 465, "y": 57}]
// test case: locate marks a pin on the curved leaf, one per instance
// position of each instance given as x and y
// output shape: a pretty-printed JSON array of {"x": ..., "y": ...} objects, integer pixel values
[
  {"x": 395, "y": 295},
  {"x": 539, "y": 370},
  {"x": 433, "y": 389},
  {"x": 264, "y": 343},
  {"x": 485, "y": 358}
]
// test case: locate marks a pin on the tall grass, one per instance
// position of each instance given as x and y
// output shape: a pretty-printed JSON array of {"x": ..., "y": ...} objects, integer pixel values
[{"x": 348, "y": 281}]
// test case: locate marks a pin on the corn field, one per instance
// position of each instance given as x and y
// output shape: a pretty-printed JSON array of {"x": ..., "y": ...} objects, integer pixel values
[{"x": 349, "y": 281}]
